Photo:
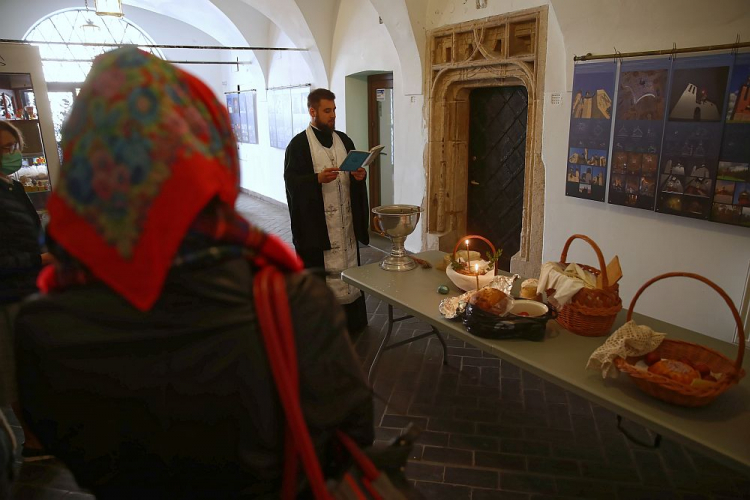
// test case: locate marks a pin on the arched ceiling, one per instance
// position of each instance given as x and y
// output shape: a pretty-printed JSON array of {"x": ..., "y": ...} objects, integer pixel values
[
  {"x": 407, "y": 32},
  {"x": 316, "y": 36},
  {"x": 309, "y": 24}
]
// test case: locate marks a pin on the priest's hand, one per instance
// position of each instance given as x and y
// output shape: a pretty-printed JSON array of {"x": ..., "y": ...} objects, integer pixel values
[
  {"x": 328, "y": 175},
  {"x": 359, "y": 174}
]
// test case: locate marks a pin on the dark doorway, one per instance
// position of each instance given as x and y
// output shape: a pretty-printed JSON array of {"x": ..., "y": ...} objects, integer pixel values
[
  {"x": 497, "y": 162},
  {"x": 380, "y": 132}
]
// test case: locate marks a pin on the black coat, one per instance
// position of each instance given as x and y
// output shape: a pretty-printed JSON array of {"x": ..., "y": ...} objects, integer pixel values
[
  {"x": 304, "y": 195},
  {"x": 20, "y": 253},
  {"x": 178, "y": 401}
]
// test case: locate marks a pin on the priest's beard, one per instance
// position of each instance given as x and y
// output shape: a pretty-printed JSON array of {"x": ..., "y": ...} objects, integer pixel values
[{"x": 324, "y": 127}]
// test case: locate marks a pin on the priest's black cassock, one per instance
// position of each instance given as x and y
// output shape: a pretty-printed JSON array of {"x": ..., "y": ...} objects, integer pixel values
[{"x": 305, "y": 199}]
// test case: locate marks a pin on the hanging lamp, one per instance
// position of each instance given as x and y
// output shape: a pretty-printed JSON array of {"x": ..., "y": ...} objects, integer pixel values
[{"x": 108, "y": 8}]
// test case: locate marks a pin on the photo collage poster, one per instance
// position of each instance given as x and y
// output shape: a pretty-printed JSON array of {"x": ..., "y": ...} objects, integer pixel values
[
  {"x": 248, "y": 122},
  {"x": 590, "y": 124},
  {"x": 233, "y": 108},
  {"x": 639, "y": 122},
  {"x": 693, "y": 135},
  {"x": 280, "y": 117},
  {"x": 731, "y": 203},
  {"x": 241, "y": 109}
]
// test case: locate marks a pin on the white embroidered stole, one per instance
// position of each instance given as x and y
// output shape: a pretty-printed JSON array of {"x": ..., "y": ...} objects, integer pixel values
[{"x": 338, "y": 213}]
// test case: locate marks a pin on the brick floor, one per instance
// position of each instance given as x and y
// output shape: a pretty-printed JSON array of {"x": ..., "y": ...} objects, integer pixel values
[{"x": 492, "y": 430}]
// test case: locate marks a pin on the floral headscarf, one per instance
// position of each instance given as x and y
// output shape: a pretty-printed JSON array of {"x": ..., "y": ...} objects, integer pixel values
[{"x": 146, "y": 148}]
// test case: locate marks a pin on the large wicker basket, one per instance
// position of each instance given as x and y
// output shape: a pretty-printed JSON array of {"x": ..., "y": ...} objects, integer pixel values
[
  {"x": 592, "y": 311},
  {"x": 672, "y": 391}
]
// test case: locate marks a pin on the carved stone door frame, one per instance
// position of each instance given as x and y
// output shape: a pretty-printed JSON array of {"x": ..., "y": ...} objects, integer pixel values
[{"x": 497, "y": 51}]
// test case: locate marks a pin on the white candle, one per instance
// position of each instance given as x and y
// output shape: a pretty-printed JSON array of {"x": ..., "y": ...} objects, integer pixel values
[
  {"x": 476, "y": 273},
  {"x": 468, "y": 257}
]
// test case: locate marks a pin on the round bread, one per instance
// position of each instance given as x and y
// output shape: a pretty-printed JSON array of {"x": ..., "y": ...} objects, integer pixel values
[
  {"x": 675, "y": 370},
  {"x": 528, "y": 288},
  {"x": 491, "y": 300}
]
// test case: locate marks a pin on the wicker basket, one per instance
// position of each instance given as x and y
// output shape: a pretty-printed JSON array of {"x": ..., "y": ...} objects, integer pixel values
[
  {"x": 592, "y": 311},
  {"x": 466, "y": 282},
  {"x": 682, "y": 394}
]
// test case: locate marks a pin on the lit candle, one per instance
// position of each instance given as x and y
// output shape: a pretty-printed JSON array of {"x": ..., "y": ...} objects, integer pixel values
[
  {"x": 468, "y": 256},
  {"x": 476, "y": 273}
]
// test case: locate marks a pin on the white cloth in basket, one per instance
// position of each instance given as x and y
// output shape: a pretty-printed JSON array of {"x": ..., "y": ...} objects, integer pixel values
[
  {"x": 629, "y": 340},
  {"x": 566, "y": 282}
]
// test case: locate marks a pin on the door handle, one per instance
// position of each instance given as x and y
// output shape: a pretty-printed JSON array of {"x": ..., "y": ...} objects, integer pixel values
[{"x": 474, "y": 183}]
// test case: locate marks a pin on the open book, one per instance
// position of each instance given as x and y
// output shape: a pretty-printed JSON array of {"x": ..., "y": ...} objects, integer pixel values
[{"x": 356, "y": 159}]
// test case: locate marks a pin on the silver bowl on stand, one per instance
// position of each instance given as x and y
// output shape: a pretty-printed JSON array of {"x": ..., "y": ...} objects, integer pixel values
[{"x": 396, "y": 222}]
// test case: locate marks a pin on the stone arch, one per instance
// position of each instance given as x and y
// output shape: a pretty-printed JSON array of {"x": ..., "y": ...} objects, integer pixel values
[
  {"x": 205, "y": 16},
  {"x": 496, "y": 51},
  {"x": 393, "y": 13}
]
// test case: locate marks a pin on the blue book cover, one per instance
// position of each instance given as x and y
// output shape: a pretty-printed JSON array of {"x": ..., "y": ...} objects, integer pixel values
[{"x": 356, "y": 159}]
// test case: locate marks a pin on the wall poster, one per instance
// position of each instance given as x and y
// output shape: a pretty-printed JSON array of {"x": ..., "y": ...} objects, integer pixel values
[
  {"x": 731, "y": 203},
  {"x": 241, "y": 108},
  {"x": 248, "y": 123},
  {"x": 300, "y": 113},
  {"x": 590, "y": 126},
  {"x": 280, "y": 118},
  {"x": 692, "y": 135},
  {"x": 639, "y": 123}
]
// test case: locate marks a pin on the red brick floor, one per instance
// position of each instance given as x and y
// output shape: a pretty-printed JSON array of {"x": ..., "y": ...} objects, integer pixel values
[{"x": 491, "y": 430}]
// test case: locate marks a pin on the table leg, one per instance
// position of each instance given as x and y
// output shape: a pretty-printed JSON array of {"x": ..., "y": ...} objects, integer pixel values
[
  {"x": 384, "y": 346},
  {"x": 376, "y": 359},
  {"x": 442, "y": 341}
]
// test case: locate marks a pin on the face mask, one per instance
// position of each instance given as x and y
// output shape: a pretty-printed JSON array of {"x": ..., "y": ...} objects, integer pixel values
[{"x": 11, "y": 163}]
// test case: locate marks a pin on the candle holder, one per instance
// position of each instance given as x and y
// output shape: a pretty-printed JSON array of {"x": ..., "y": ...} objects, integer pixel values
[{"x": 461, "y": 273}]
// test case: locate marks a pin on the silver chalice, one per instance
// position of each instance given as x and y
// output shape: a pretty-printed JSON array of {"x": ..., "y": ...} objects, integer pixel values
[{"x": 396, "y": 222}]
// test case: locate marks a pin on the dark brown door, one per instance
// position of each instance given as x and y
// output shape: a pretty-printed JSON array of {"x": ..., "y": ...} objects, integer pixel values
[
  {"x": 374, "y": 84},
  {"x": 497, "y": 162}
]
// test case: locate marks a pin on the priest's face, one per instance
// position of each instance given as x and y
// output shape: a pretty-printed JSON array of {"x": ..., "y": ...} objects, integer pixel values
[{"x": 324, "y": 117}]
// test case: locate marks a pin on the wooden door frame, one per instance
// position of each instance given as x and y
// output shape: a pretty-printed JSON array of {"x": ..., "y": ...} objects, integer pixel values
[{"x": 379, "y": 81}]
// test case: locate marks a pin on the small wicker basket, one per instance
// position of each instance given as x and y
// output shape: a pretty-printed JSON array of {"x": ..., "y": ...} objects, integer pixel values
[
  {"x": 672, "y": 391},
  {"x": 592, "y": 311},
  {"x": 466, "y": 282}
]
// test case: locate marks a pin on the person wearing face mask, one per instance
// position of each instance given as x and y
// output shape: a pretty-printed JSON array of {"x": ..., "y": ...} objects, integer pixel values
[
  {"x": 328, "y": 208},
  {"x": 20, "y": 261}
]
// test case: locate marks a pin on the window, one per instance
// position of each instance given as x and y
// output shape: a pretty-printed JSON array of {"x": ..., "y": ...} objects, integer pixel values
[
  {"x": 66, "y": 66},
  {"x": 71, "y": 63}
]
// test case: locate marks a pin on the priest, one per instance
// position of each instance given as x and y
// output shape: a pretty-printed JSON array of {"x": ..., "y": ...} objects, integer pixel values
[{"x": 328, "y": 207}]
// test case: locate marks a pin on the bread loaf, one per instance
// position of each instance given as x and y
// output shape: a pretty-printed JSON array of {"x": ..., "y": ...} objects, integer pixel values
[
  {"x": 675, "y": 370},
  {"x": 491, "y": 300}
]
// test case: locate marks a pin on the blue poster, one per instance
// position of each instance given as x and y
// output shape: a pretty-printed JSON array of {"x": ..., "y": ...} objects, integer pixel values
[
  {"x": 642, "y": 94},
  {"x": 731, "y": 203},
  {"x": 693, "y": 135},
  {"x": 590, "y": 127},
  {"x": 233, "y": 108}
]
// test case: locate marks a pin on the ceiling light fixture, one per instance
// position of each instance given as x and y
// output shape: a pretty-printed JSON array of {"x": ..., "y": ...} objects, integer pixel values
[{"x": 108, "y": 8}]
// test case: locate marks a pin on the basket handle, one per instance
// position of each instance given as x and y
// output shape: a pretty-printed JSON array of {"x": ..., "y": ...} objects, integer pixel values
[
  {"x": 602, "y": 265},
  {"x": 472, "y": 237},
  {"x": 719, "y": 290}
]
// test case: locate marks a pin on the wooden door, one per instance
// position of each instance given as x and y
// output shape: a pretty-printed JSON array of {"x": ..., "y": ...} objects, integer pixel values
[{"x": 497, "y": 164}]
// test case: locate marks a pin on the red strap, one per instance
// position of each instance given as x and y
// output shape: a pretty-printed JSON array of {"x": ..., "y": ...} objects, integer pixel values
[
  {"x": 364, "y": 463},
  {"x": 274, "y": 317}
]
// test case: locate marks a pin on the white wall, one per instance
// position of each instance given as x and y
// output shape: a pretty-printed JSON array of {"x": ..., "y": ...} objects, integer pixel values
[
  {"x": 356, "y": 110},
  {"x": 646, "y": 242},
  {"x": 362, "y": 44},
  {"x": 263, "y": 166}
]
